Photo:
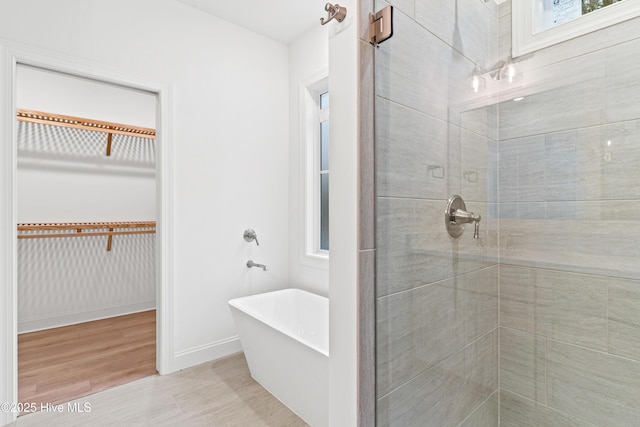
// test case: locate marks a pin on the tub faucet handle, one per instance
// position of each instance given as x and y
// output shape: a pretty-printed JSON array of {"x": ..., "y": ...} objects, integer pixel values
[{"x": 250, "y": 235}]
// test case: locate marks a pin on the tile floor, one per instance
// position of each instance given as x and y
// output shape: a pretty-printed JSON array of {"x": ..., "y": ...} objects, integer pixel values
[{"x": 218, "y": 393}]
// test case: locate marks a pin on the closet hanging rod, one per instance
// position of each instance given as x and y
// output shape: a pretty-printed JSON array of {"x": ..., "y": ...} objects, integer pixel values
[
  {"x": 101, "y": 233},
  {"x": 78, "y": 227},
  {"x": 83, "y": 123}
]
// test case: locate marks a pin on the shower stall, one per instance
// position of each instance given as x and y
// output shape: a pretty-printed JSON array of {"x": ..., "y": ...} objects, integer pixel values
[{"x": 536, "y": 322}]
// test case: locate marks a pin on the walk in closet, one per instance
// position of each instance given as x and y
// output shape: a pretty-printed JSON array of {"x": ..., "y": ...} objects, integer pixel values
[{"x": 86, "y": 235}]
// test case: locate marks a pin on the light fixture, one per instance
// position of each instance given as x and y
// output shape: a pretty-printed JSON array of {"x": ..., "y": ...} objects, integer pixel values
[
  {"x": 504, "y": 70},
  {"x": 477, "y": 81}
]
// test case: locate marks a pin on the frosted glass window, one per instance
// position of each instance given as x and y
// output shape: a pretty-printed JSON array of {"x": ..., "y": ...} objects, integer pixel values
[
  {"x": 324, "y": 146},
  {"x": 324, "y": 171},
  {"x": 324, "y": 212}
]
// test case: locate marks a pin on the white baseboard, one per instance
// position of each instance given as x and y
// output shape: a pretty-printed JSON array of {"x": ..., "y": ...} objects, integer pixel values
[
  {"x": 84, "y": 316},
  {"x": 206, "y": 353}
]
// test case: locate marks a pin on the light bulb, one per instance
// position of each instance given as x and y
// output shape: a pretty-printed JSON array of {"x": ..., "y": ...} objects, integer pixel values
[
  {"x": 475, "y": 83},
  {"x": 511, "y": 72}
]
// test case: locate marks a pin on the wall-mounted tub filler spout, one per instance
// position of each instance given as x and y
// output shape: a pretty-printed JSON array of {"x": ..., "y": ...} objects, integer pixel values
[
  {"x": 250, "y": 264},
  {"x": 250, "y": 235},
  {"x": 456, "y": 216}
]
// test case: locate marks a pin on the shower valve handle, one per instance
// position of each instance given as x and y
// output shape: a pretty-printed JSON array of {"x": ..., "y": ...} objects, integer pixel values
[
  {"x": 463, "y": 217},
  {"x": 250, "y": 235},
  {"x": 456, "y": 216}
]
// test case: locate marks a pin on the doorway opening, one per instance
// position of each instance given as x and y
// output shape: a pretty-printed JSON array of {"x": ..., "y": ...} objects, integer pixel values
[
  {"x": 12, "y": 56},
  {"x": 86, "y": 211}
]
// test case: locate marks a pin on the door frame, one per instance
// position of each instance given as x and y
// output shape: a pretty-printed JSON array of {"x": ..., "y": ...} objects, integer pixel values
[{"x": 12, "y": 54}]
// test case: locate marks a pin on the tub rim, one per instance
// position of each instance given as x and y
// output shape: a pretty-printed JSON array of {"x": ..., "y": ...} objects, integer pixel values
[{"x": 235, "y": 304}]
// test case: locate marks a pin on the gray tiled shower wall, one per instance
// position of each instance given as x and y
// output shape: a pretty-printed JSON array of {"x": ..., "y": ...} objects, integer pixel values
[
  {"x": 548, "y": 300},
  {"x": 569, "y": 199},
  {"x": 437, "y": 299}
]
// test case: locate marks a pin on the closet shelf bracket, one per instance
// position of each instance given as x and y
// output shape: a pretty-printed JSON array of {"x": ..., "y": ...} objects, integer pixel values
[{"x": 109, "y": 140}]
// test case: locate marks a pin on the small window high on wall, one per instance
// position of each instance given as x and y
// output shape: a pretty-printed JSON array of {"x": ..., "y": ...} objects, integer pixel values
[
  {"x": 541, "y": 23},
  {"x": 315, "y": 125}
]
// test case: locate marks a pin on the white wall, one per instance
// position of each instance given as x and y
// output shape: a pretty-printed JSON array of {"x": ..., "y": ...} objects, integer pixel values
[
  {"x": 65, "y": 176},
  {"x": 308, "y": 56},
  {"x": 230, "y": 116},
  {"x": 53, "y": 92},
  {"x": 343, "y": 211}
]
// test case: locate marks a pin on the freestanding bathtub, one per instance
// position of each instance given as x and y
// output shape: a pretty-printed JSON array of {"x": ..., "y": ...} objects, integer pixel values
[{"x": 285, "y": 338}]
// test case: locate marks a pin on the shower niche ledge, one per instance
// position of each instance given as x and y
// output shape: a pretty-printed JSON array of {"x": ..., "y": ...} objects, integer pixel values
[{"x": 564, "y": 251}]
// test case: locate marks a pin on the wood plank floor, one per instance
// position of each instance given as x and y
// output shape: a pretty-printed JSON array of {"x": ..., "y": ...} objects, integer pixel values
[
  {"x": 217, "y": 393},
  {"x": 62, "y": 364}
]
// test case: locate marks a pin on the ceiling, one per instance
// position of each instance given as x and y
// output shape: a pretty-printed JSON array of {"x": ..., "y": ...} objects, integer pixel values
[{"x": 281, "y": 20}]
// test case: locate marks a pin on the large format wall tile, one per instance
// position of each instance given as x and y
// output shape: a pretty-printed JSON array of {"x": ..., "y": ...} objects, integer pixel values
[
  {"x": 405, "y": 6},
  {"x": 587, "y": 164},
  {"x": 504, "y": 29},
  {"x": 366, "y": 137},
  {"x": 521, "y": 169},
  {"x": 572, "y": 239},
  {"x": 624, "y": 318},
  {"x": 517, "y": 411},
  {"x": 478, "y": 174},
  {"x": 447, "y": 393},
  {"x": 415, "y": 249},
  {"x": 483, "y": 120},
  {"x": 486, "y": 415},
  {"x": 623, "y": 83},
  {"x": 570, "y": 106},
  {"x": 598, "y": 387},
  {"x": 437, "y": 296},
  {"x": 564, "y": 306},
  {"x": 410, "y": 159},
  {"x": 418, "y": 328},
  {"x": 617, "y": 159},
  {"x": 523, "y": 364},
  {"x": 469, "y": 27},
  {"x": 417, "y": 69},
  {"x": 569, "y": 168}
]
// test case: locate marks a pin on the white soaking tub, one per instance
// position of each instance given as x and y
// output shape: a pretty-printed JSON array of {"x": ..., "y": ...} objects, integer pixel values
[{"x": 285, "y": 338}]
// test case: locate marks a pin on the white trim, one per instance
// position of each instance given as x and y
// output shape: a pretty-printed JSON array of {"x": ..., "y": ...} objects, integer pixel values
[
  {"x": 207, "y": 352},
  {"x": 8, "y": 236},
  {"x": 308, "y": 119},
  {"x": 13, "y": 54},
  {"x": 49, "y": 322},
  {"x": 525, "y": 41}
]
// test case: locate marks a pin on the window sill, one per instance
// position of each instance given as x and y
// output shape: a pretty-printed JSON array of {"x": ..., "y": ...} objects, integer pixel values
[{"x": 315, "y": 260}]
